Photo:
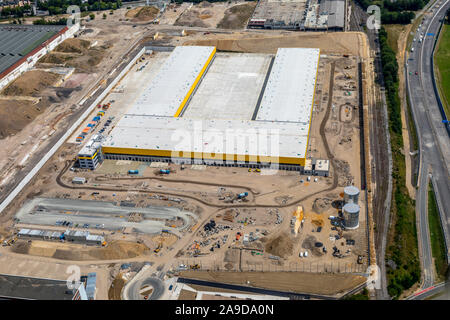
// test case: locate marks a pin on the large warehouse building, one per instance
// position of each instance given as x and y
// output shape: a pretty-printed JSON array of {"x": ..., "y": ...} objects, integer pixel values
[
  {"x": 21, "y": 46},
  {"x": 198, "y": 108}
]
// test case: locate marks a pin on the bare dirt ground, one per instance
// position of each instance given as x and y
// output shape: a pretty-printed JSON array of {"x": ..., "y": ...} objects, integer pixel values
[
  {"x": 326, "y": 284},
  {"x": 65, "y": 251},
  {"x": 346, "y": 43},
  {"x": 173, "y": 12},
  {"x": 31, "y": 266},
  {"x": 77, "y": 53},
  {"x": 209, "y": 15},
  {"x": 271, "y": 198},
  {"x": 236, "y": 17},
  {"x": 29, "y": 130},
  {"x": 142, "y": 14}
]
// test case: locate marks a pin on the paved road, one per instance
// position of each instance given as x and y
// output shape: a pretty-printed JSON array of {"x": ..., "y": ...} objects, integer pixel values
[
  {"x": 47, "y": 211},
  {"x": 155, "y": 283},
  {"x": 132, "y": 289},
  {"x": 433, "y": 137},
  {"x": 440, "y": 291}
]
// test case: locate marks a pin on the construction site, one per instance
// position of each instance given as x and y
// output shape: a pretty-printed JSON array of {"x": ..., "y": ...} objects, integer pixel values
[{"x": 233, "y": 153}]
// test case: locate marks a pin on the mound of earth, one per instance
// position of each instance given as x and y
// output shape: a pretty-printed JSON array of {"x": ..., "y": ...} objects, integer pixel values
[
  {"x": 231, "y": 256},
  {"x": 73, "y": 45},
  {"x": 281, "y": 246},
  {"x": 143, "y": 13},
  {"x": 204, "y": 4},
  {"x": 190, "y": 18},
  {"x": 321, "y": 205},
  {"x": 236, "y": 17},
  {"x": 31, "y": 83},
  {"x": 69, "y": 251},
  {"x": 309, "y": 244},
  {"x": 16, "y": 114}
]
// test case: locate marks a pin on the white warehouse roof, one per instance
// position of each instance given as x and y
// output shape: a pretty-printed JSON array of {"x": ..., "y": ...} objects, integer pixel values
[
  {"x": 167, "y": 90},
  {"x": 182, "y": 134},
  {"x": 289, "y": 92}
]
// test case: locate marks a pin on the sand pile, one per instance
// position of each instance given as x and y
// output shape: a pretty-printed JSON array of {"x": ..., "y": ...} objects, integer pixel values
[
  {"x": 321, "y": 205},
  {"x": 73, "y": 45},
  {"x": 281, "y": 246},
  {"x": 31, "y": 83},
  {"x": 143, "y": 13}
]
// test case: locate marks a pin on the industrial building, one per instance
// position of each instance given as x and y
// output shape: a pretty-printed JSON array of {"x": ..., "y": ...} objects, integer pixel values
[
  {"x": 304, "y": 15},
  {"x": 28, "y": 288},
  {"x": 317, "y": 167},
  {"x": 83, "y": 237},
  {"x": 266, "y": 105},
  {"x": 21, "y": 46}
]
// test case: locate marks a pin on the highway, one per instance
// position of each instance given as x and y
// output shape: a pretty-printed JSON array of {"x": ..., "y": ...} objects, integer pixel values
[
  {"x": 440, "y": 291},
  {"x": 433, "y": 138}
]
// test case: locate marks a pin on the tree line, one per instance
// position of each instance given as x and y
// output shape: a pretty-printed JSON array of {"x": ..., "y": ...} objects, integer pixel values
[
  {"x": 403, "y": 250},
  {"x": 60, "y": 6},
  {"x": 395, "y": 12}
]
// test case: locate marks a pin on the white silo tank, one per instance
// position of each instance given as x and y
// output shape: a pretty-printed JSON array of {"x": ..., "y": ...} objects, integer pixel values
[
  {"x": 351, "y": 215},
  {"x": 351, "y": 194}
]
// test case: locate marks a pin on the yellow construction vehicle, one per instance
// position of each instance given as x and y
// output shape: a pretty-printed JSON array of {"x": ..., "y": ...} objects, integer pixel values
[{"x": 195, "y": 266}]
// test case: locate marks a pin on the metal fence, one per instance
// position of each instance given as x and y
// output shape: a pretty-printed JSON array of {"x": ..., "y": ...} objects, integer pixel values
[{"x": 268, "y": 266}]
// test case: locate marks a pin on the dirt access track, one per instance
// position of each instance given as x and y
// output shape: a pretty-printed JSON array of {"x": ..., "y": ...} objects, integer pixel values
[
  {"x": 314, "y": 283},
  {"x": 329, "y": 43}
]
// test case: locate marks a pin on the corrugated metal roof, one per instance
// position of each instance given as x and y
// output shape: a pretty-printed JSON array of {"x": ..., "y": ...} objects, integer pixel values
[{"x": 16, "y": 41}]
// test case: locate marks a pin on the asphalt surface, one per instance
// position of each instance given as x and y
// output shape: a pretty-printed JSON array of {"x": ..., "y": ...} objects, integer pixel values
[
  {"x": 155, "y": 283},
  {"x": 47, "y": 211},
  {"x": 291, "y": 295},
  {"x": 433, "y": 137},
  {"x": 132, "y": 289}
]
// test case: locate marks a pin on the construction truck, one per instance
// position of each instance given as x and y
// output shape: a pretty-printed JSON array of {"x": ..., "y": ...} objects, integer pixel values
[{"x": 195, "y": 266}]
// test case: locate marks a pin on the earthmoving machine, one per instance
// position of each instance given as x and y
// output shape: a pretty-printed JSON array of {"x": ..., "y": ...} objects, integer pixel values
[
  {"x": 195, "y": 266},
  {"x": 159, "y": 247}
]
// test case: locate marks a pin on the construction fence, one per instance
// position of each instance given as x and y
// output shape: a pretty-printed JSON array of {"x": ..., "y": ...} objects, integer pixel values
[{"x": 304, "y": 266}]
